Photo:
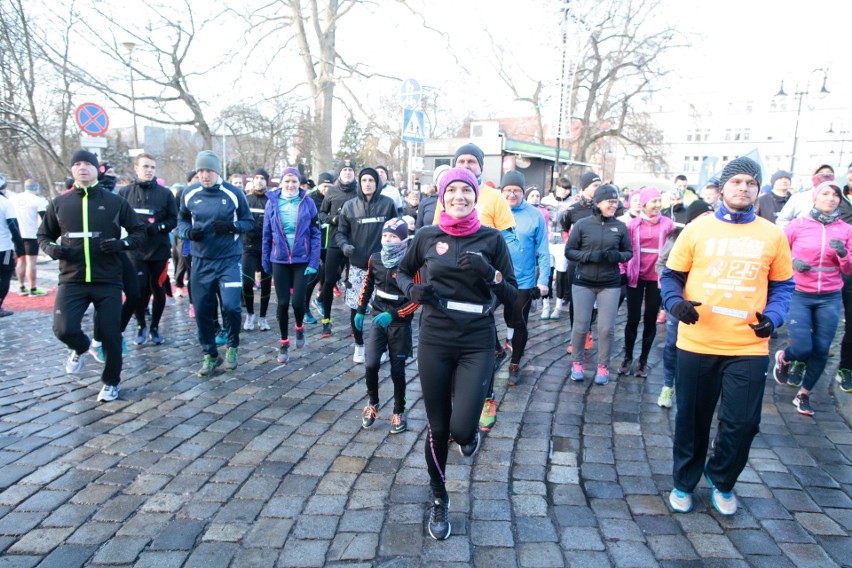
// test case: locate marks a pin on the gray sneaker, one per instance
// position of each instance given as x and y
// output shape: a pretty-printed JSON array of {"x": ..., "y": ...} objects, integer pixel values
[
  {"x": 231, "y": 359},
  {"x": 75, "y": 363}
]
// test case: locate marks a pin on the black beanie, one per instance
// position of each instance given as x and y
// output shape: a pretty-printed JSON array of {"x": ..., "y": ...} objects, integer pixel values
[
  {"x": 84, "y": 156},
  {"x": 396, "y": 226},
  {"x": 696, "y": 208},
  {"x": 741, "y": 165},
  {"x": 474, "y": 151},
  {"x": 326, "y": 177},
  {"x": 514, "y": 177},
  {"x": 588, "y": 179},
  {"x": 604, "y": 192},
  {"x": 189, "y": 175},
  {"x": 263, "y": 173}
]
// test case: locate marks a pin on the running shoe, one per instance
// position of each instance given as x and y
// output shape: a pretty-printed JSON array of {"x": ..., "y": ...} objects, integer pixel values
[
  {"x": 662, "y": 317},
  {"x": 221, "y": 336},
  {"x": 75, "y": 363},
  {"x": 577, "y": 373},
  {"x": 844, "y": 377},
  {"x": 724, "y": 503},
  {"x": 108, "y": 393},
  {"x": 96, "y": 350},
  {"x": 251, "y": 322},
  {"x": 6, "y": 313},
  {"x": 399, "y": 424},
  {"x": 300, "y": 337},
  {"x": 641, "y": 369},
  {"x": 369, "y": 415},
  {"x": 781, "y": 370},
  {"x": 489, "y": 415},
  {"x": 797, "y": 374},
  {"x": 37, "y": 292},
  {"x": 665, "y": 399},
  {"x": 209, "y": 365},
  {"x": 326, "y": 328},
  {"x": 545, "y": 309},
  {"x": 439, "y": 518},
  {"x": 263, "y": 324},
  {"x": 23, "y": 291},
  {"x": 358, "y": 357},
  {"x": 284, "y": 351},
  {"x": 624, "y": 369},
  {"x": 231, "y": 355},
  {"x": 589, "y": 342},
  {"x": 514, "y": 374},
  {"x": 602, "y": 375},
  {"x": 469, "y": 450},
  {"x": 309, "y": 317},
  {"x": 141, "y": 335},
  {"x": 156, "y": 338},
  {"x": 802, "y": 402},
  {"x": 191, "y": 311},
  {"x": 680, "y": 501}
]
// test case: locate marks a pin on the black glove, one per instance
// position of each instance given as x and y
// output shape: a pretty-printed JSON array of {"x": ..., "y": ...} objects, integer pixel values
[
  {"x": 113, "y": 245},
  {"x": 764, "y": 326},
  {"x": 59, "y": 252},
  {"x": 348, "y": 249},
  {"x": 612, "y": 256},
  {"x": 195, "y": 234},
  {"x": 152, "y": 229},
  {"x": 222, "y": 227},
  {"x": 597, "y": 256},
  {"x": 685, "y": 311},
  {"x": 535, "y": 293},
  {"x": 422, "y": 293},
  {"x": 800, "y": 265},
  {"x": 838, "y": 247},
  {"x": 476, "y": 264}
]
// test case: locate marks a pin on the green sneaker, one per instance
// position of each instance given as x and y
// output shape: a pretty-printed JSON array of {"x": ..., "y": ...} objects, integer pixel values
[
  {"x": 665, "y": 399},
  {"x": 398, "y": 423},
  {"x": 489, "y": 415},
  {"x": 844, "y": 377},
  {"x": 209, "y": 365},
  {"x": 231, "y": 359},
  {"x": 797, "y": 374}
]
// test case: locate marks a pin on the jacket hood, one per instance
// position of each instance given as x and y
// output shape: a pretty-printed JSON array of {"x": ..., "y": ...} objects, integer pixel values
[{"x": 375, "y": 175}]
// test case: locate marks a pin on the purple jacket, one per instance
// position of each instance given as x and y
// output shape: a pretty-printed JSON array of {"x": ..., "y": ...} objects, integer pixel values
[{"x": 306, "y": 244}]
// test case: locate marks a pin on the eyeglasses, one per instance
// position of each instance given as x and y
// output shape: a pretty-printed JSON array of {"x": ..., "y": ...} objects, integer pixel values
[{"x": 512, "y": 190}]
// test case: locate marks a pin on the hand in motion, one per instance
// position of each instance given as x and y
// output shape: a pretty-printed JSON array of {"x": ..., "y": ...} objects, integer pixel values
[
  {"x": 764, "y": 326},
  {"x": 422, "y": 293},
  {"x": 384, "y": 319},
  {"x": 838, "y": 247},
  {"x": 348, "y": 250},
  {"x": 222, "y": 227},
  {"x": 359, "y": 322},
  {"x": 59, "y": 252},
  {"x": 112, "y": 245},
  {"x": 612, "y": 256},
  {"x": 800, "y": 265},
  {"x": 685, "y": 311},
  {"x": 309, "y": 271},
  {"x": 476, "y": 264},
  {"x": 195, "y": 234}
]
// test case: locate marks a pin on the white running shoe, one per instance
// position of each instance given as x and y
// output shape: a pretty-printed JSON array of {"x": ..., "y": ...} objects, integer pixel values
[
  {"x": 75, "y": 363},
  {"x": 358, "y": 357},
  {"x": 251, "y": 322},
  {"x": 108, "y": 393},
  {"x": 262, "y": 324}
]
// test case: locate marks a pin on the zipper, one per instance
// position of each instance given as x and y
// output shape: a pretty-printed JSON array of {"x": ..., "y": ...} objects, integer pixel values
[
  {"x": 87, "y": 255},
  {"x": 821, "y": 253}
]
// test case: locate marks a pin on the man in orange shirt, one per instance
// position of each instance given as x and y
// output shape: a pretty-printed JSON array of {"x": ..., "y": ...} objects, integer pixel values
[{"x": 729, "y": 280}]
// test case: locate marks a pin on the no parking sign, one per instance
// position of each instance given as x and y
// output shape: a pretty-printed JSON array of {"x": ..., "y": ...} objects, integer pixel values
[{"x": 92, "y": 119}]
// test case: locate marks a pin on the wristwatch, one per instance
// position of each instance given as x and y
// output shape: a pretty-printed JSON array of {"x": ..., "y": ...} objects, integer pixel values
[{"x": 498, "y": 277}]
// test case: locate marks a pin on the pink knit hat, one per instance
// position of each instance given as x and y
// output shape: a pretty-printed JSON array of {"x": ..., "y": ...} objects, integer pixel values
[{"x": 646, "y": 194}]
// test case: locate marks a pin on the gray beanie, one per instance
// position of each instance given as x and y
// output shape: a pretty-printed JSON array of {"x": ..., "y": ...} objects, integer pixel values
[
  {"x": 514, "y": 177},
  {"x": 778, "y": 175},
  {"x": 741, "y": 165},
  {"x": 474, "y": 151},
  {"x": 207, "y": 160}
]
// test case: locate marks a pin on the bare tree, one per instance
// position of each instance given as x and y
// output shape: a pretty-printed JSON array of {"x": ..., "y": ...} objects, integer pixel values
[
  {"x": 261, "y": 134},
  {"x": 620, "y": 68}
]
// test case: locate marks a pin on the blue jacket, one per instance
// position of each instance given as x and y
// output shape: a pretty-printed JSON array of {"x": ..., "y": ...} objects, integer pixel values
[
  {"x": 532, "y": 247},
  {"x": 306, "y": 243},
  {"x": 200, "y": 206}
]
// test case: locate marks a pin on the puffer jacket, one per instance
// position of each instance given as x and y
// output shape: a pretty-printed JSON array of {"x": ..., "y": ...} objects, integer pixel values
[
  {"x": 809, "y": 241},
  {"x": 598, "y": 234}
]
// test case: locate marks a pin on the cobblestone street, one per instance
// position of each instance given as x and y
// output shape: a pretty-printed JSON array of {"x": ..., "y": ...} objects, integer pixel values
[{"x": 269, "y": 465}]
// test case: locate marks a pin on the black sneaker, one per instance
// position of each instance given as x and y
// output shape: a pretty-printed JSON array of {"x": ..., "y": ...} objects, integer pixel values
[
  {"x": 797, "y": 374},
  {"x": 844, "y": 377},
  {"x": 439, "y": 518},
  {"x": 781, "y": 368},
  {"x": 802, "y": 402},
  {"x": 514, "y": 374},
  {"x": 326, "y": 328},
  {"x": 468, "y": 450}
]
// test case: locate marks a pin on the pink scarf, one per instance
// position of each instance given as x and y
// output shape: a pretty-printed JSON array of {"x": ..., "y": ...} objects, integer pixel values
[{"x": 463, "y": 227}]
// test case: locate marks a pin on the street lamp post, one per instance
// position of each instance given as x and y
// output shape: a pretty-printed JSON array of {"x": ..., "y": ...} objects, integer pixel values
[
  {"x": 801, "y": 94},
  {"x": 129, "y": 46},
  {"x": 843, "y": 132}
]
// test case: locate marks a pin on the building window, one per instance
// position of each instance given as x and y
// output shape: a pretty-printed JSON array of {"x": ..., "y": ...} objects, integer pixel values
[
  {"x": 746, "y": 133},
  {"x": 689, "y": 136},
  {"x": 727, "y": 134}
]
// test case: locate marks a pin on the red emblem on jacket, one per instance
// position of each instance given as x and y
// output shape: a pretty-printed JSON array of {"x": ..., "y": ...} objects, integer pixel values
[{"x": 442, "y": 247}]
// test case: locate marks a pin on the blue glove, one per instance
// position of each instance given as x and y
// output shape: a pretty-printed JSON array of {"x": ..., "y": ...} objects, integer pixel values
[
  {"x": 310, "y": 271},
  {"x": 359, "y": 322},
  {"x": 384, "y": 319}
]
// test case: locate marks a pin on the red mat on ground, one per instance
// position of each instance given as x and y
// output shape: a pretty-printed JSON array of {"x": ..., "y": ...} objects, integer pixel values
[{"x": 43, "y": 304}]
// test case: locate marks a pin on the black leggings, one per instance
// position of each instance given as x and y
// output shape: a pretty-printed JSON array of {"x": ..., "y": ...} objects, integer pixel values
[
  {"x": 517, "y": 318},
  {"x": 151, "y": 278},
  {"x": 335, "y": 260},
  {"x": 251, "y": 265},
  {"x": 396, "y": 339},
  {"x": 648, "y": 291},
  {"x": 130, "y": 284},
  {"x": 289, "y": 276},
  {"x": 454, "y": 382},
  {"x": 563, "y": 287},
  {"x": 358, "y": 334}
]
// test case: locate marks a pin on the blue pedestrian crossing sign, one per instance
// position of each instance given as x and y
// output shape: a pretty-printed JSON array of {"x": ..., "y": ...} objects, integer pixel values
[{"x": 412, "y": 126}]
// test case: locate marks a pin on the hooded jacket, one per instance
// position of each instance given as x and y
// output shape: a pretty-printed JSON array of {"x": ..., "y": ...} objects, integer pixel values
[
  {"x": 154, "y": 205},
  {"x": 253, "y": 240},
  {"x": 361, "y": 223},
  {"x": 389, "y": 296},
  {"x": 306, "y": 241},
  {"x": 105, "y": 215},
  {"x": 200, "y": 206},
  {"x": 635, "y": 227},
  {"x": 598, "y": 234},
  {"x": 332, "y": 204},
  {"x": 809, "y": 241}
]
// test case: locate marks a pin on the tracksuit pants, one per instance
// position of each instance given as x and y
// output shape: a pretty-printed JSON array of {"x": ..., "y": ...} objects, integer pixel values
[
  {"x": 397, "y": 340},
  {"x": 209, "y": 275}
]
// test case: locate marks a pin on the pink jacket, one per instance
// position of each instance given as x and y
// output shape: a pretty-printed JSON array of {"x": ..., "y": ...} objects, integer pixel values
[
  {"x": 663, "y": 226},
  {"x": 809, "y": 241}
]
